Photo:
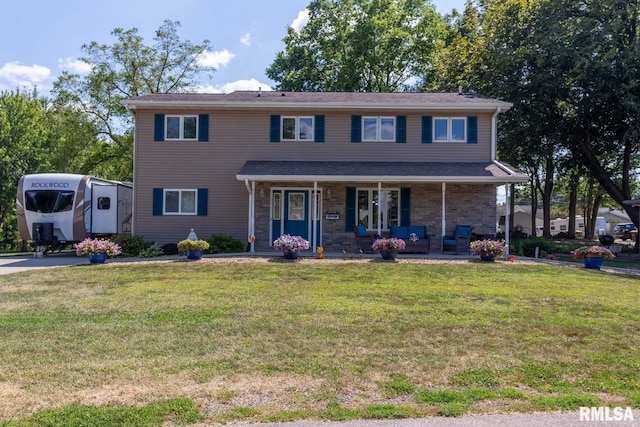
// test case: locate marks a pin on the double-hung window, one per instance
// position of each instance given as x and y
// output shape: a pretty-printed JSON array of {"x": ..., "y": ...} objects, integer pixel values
[
  {"x": 181, "y": 128},
  {"x": 450, "y": 129},
  {"x": 368, "y": 201},
  {"x": 297, "y": 129},
  {"x": 180, "y": 202},
  {"x": 379, "y": 129}
]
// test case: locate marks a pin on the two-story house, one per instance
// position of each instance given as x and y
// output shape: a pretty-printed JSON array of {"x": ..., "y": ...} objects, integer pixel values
[{"x": 315, "y": 164}]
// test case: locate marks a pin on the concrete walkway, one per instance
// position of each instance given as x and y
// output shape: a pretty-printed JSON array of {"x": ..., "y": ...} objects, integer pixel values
[{"x": 565, "y": 419}]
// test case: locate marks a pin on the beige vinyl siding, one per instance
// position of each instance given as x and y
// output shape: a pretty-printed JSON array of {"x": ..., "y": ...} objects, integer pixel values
[{"x": 236, "y": 136}]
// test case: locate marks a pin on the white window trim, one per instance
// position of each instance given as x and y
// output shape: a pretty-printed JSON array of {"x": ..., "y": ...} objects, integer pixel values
[
  {"x": 371, "y": 226},
  {"x": 297, "y": 128},
  {"x": 179, "y": 190},
  {"x": 378, "y": 120},
  {"x": 181, "y": 117},
  {"x": 450, "y": 129}
]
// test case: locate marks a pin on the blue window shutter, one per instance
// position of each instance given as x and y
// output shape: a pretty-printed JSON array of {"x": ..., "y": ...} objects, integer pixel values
[
  {"x": 158, "y": 128},
  {"x": 203, "y": 201},
  {"x": 356, "y": 130},
  {"x": 405, "y": 206},
  {"x": 158, "y": 194},
  {"x": 472, "y": 129},
  {"x": 401, "y": 129},
  {"x": 427, "y": 129},
  {"x": 318, "y": 132},
  {"x": 203, "y": 127},
  {"x": 350, "y": 209},
  {"x": 274, "y": 135}
]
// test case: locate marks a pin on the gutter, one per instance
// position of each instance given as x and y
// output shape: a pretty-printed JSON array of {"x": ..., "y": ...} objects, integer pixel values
[
  {"x": 494, "y": 133},
  {"x": 389, "y": 179}
]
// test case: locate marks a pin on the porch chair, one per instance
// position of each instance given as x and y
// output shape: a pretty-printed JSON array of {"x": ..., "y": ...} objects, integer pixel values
[
  {"x": 459, "y": 242},
  {"x": 363, "y": 240}
]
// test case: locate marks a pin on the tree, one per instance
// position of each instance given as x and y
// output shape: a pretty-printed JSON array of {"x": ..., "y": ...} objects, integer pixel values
[
  {"x": 125, "y": 69},
  {"x": 359, "y": 45},
  {"x": 23, "y": 131}
]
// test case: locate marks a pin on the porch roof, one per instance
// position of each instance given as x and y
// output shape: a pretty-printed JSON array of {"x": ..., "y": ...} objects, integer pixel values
[{"x": 343, "y": 171}]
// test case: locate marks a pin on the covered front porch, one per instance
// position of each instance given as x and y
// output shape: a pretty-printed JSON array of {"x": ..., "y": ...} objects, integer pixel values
[{"x": 322, "y": 201}]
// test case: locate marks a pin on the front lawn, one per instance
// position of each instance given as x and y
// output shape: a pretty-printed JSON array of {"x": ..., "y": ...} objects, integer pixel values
[{"x": 260, "y": 340}]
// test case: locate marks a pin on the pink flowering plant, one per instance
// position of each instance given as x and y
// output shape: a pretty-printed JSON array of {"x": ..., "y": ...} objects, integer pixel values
[
  {"x": 289, "y": 243},
  {"x": 488, "y": 247},
  {"x": 91, "y": 246},
  {"x": 594, "y": 251},
  {"x": 386, "y": 244}
]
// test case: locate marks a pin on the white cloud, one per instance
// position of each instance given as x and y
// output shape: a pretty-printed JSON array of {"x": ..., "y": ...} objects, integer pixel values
[
  {"x": 301, "y": 20},
  {"x": 246, "y": 39},
  {"x": 216, "y": 59},
  {"x": 74, "y": 65},
  {"x": 251, "y": 84},
  {"x": 22, "y": 75}
]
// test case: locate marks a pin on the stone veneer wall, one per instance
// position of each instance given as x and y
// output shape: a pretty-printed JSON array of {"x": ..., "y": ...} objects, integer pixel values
[{"x": 467, "y": 204}]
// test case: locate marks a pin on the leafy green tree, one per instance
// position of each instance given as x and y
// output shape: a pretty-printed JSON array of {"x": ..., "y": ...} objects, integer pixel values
[
  {"x": 23, "y": 130},
  {"x": 359, "y": 45},
  {"x": 125, "y": 69}
]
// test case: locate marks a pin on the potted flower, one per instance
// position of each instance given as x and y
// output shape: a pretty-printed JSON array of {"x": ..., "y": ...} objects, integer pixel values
[
  {"x": 97, "y": 249},
  {"x": 488, "y": 249},
  {"x": 593, "y": 255},
  {"x": 388, "y": 247},
  {"x": 193, "y": 248},
  {"x": 290, "y": 245}
]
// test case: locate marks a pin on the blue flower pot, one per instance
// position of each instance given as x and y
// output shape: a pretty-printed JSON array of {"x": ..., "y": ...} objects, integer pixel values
[
  {"x": 389, "y": 255},
  {"x": 488, "y": 258},
  {"x": 98, "y": 258},
  {"x": 194, "y": 254},
  {"x": 593, "y": 262},
  {"x": 291, "y": 254}
]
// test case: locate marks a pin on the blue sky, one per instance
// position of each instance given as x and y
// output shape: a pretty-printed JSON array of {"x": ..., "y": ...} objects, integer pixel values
[{"x": 41, "y": 38}]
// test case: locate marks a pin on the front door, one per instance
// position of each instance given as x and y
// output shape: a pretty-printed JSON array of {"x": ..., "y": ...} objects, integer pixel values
[{"x": 296, "y": 208}]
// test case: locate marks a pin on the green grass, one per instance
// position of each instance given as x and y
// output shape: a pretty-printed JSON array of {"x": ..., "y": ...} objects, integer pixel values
[{"x": 276, "y": 341}]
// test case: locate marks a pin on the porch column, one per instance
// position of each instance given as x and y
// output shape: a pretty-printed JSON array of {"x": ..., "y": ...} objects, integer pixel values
[
  {"x": 251, "y": 189},
  {"x": 506, "y": 219},
  {"x": 314, "y": 217},
  {"x": 444, "y": 213},
  {"x": 379, "y": 208}
]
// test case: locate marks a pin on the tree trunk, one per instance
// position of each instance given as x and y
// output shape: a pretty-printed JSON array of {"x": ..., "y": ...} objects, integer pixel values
[
  {"x": 534, "y": 209},
  {"x": 573, "y": 202},
  {"x": 547, "y": 191}
]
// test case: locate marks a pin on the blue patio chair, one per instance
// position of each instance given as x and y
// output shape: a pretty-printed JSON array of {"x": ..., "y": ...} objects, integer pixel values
[{"x": 459, "y": 242}]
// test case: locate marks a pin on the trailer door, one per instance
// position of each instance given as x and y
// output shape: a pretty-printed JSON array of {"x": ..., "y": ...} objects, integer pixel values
[{"x": 104, "y": 209}]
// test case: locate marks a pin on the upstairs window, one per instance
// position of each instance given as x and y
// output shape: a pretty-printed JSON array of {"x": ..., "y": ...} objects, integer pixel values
[
  {"x": 181, "y": 128},
  {"x": 297, "y": 129},
  {"x": 449, "y": 129},
  {"x": 379, "y": 129}
]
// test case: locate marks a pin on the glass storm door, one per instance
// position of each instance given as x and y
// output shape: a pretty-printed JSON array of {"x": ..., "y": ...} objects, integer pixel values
[{"x": 296, "y": 207}]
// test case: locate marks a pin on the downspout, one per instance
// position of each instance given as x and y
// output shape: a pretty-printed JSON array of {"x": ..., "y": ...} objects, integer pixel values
[
  {"x": 494, "y": 133},
  {"x": 314, "y": 217},
  {"x": 251, "y": 189}
]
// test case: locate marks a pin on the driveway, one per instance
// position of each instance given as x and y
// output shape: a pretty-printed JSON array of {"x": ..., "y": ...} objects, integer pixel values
[{"x": 18, "y": 263}]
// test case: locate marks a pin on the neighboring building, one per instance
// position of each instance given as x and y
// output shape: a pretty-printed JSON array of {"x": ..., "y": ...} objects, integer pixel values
[
  {"x": 315, "y": 164},
  {"x": 521, "y": 219}
]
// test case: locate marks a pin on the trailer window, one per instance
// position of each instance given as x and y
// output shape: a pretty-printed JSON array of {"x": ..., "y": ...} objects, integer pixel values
[
  {"x": 49, "y": 201},
  {"x": 104, "y": 203}
]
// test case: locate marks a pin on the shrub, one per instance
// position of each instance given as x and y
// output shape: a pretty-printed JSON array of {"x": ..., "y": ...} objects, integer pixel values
[
  {"x": 170, "y": 249},
  {"x": 152, "y": 251},
  {"x": 131, "y": 245},
  {"x": 219, "y": 244},
  {"x": 545, "y": 246}
]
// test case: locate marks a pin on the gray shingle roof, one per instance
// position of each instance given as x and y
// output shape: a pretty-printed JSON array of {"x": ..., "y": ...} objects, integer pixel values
[
  {"x": 346, "y": 99},
  {"x": 378, "y": 171}
]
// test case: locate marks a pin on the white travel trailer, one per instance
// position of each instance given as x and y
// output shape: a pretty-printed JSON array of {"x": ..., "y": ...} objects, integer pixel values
[{"x": 57, "y": 209}]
